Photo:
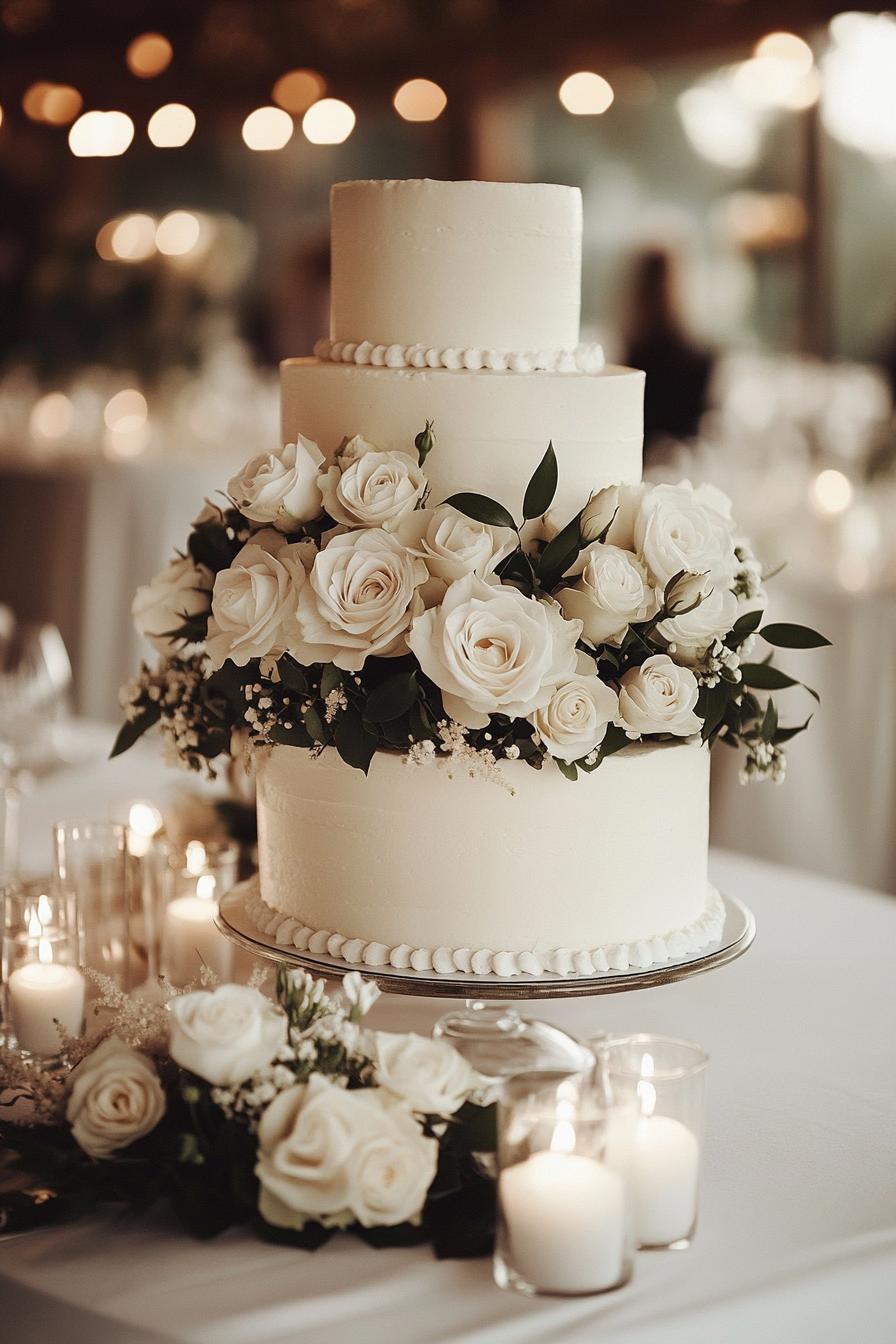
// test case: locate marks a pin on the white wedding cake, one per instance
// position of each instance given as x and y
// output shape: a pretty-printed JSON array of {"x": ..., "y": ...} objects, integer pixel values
[{"x": 458, "y": 303}]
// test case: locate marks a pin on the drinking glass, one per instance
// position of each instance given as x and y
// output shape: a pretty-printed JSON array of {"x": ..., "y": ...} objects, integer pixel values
[
  {"x": 91, "y": 869},
  {"x": 190, "y": 939},
  {"x": 42, "y": 986}
]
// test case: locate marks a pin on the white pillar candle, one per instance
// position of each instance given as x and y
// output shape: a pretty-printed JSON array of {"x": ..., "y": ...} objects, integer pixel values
[
  {"x": 660, "y": 1158},
  {"x": 42, "y": 993},
  {"x": 565, "y": 1222},
  {"x": 190, "y": 937}
]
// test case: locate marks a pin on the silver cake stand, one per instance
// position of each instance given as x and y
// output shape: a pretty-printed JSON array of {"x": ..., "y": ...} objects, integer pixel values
[{"x": 738, "y": 932}]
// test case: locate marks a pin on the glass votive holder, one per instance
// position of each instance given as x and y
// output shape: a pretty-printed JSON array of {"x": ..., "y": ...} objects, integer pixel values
[
  {"x": 563, "y": 1225},
  {"x": 662, "y": 1080},
  {"x": 190, "y": 938},
  {"x": 91, "y": 860},
  {"x": 42, "y": 986}
]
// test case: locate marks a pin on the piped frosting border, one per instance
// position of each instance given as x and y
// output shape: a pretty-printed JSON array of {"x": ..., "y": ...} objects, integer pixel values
[
  {"x": 567, "y": 962},
  {"x": 587, "y": 358}
]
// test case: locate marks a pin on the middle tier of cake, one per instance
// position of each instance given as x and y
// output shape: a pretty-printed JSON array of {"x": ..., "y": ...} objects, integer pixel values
[{"x": 491, "y": 428}]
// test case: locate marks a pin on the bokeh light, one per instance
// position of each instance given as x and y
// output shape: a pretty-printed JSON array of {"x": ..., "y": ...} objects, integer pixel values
[
  {"x": 100, "y": 135},
  {"x": 328, "y": 122},
  {"x": 859, "y": 102},
  {"x": 719, "y": 126},
  {"x": 298, "y": 89},
  {"x": 148, "y": 55},
  {"x": 420, "y": 100},
  {"x": 268, "y": 128},
  {"x": 178, "y": 233},
  {"x": 133, "y": 237},
  {"x": 171, "y": 126},
  {"x": 55, "y": 104},
  {"x": 126, "y": 411},
  {"x": 51, "y": 416},
  {"x": 831, "y": 492},
  {"x": 786, "y": 47},
  {"x": 586, "y": 94}
]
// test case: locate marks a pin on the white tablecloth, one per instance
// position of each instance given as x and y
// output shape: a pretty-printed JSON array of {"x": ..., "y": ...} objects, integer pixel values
[{"x": 797, "y": 1236}]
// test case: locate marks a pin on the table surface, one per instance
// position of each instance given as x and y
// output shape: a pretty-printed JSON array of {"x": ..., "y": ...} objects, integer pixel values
[{"x": 797, "y": 1235}]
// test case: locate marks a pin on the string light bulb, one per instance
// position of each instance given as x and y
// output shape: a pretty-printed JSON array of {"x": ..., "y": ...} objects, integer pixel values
[
  {"x": 171, "y": 126},
  {"x": 586, "y": 94},
  {"x": 100, "y": 135},
  {"x": 329, "y": 121},
  {"x": 268, "y": 128}
]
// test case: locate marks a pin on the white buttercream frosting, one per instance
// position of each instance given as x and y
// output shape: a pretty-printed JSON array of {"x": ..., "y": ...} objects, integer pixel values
[
  {"x": 585, "y": 358},
  {"x": 676, "y": 945}
]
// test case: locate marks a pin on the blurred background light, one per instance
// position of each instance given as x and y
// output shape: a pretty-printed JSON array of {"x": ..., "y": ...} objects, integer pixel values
[
  {"x": 148, "y": 55},
  {"x": 268, "y": 128},
  {"x": 328, "y": 122},
  {"x": 298, "y": 89},
  {"x": 859, "y": 74},
  {"x": 126, "y": 411},
  {"x": 586, "y": 94},
  {"x": 830, "y": 492},
  {"x": 54, "y": 104},
  {"x": 133, "y": 237},
  {"x": 420, "y": 100},
  {"x": 171, "y": 126},
  {"x": 178, "y": 233},
  {"x": 719, "y": 126},
  {"x": 101, "y": 135},
  {"x": 51, "y": 416}
]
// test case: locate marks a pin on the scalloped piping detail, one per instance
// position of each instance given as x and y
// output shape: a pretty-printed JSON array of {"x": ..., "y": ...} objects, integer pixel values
[
  {"x": 564, "y": 961},
  {"x": 583, "y": 359}
]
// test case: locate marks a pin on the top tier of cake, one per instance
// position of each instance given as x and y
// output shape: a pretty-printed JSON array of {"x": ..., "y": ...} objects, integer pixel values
[{"x": 495, "y": 265}]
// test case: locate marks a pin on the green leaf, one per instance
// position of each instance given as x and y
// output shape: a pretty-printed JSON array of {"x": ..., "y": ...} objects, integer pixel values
[
  {"x": 567, "y": 768},
  {"x": 614, "y": 740},
  {"x": 392, "y": 698},
  {"x": 330, "y": 680},
  {"x": 769, "y": 725},
  {"x": 542, "y": 487},
  {"x": 479, "y": 1126},
  {"x": 132, "y": 731},
  {"x": 293, "y": 676},
  {"x": 481, "y": 509},
  {"x": 743, "y": 626},
  {"x": 560, "y": 552},
  {"x": 353, "y": 741},
  {"x": 785, "y": 734},
  {"x": 712, "y": 704},
  {"x": 314, "y": 724},
  {"x": 785, "y": 636},
  {"x": 765, "y": 677}
]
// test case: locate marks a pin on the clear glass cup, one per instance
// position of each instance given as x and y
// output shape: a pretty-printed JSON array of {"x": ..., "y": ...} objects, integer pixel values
[
  {"x": 190, "y": 939},
  {"x": 662, "y": 1079},
  {"x": 563, "y": 1224},
  {"x": 91, "y": 869},
  {"x": 42, "y": 985}
]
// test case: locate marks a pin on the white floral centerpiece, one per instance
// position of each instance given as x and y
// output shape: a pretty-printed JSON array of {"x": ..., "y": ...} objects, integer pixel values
[
  {"x": 331, "y": 604},
  {"x": 289, "y": 1115}
]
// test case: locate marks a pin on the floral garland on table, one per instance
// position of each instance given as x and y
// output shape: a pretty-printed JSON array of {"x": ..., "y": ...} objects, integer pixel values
[
  {"x": 328, "y": 604},
  {"x": 295, "y": 1118}
]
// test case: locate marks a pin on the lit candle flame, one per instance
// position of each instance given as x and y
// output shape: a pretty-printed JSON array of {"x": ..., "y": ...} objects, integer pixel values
[
  {"x": 205, "y": 887},
  {"x": 195, "y": 857},
  {"x": 44, "y": 952},
  {"x": 44, "y": 909},
  {"x": 646, "y": 1090},
  {"x": 563, "y": 1139},
  {"x": 35, "y": 928}
]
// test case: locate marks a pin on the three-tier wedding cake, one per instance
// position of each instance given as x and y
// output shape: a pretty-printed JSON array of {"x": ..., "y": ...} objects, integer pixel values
[{"x": 458, "y": 303}]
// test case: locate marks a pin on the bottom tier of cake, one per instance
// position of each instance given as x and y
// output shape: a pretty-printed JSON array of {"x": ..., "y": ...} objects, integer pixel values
[{"x": 423, "y": 866}]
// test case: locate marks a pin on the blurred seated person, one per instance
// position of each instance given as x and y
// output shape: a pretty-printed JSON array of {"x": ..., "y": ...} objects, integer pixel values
[{"x": 655, "y": 340}]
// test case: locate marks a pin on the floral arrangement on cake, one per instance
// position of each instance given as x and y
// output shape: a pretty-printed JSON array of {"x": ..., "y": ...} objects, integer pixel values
[
  {"x": 331, "y": 604},
  {"x": 236, "y": 1109}
]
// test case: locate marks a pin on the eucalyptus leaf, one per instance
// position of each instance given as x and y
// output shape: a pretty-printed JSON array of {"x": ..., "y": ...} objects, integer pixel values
[
  {"x": 744, "y": 626},
  {"x": 785, "y": 734},
  {"x": 354, "y": 742},
  {"x": 765, "y": 677},
  {"x": 567, "y": 768},
  {"x": 769, "y": 725},
  {"x": 392, "y": 698},
  {"x": 542, "y": 487},
  {"x": 330, "y": 680},
  {"x": 560, "y": 553},
  {"x": 481, "y": 509},
  {"x": 785, "y": 636},
  {"x": 314, "y": 724},
  {"x": 131, "y": 731}
]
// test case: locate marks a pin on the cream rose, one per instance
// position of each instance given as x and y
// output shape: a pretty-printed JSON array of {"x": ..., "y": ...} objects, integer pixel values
[
  {"x": 162, "y": 605},
  {"x": 225, "y": 1035},
  {"x": 659, "y": 697},
  {"x": 115, "y": 1098},
  {"x": 613, "y": 592},
  {"x": 694, "y": 631},
  {"x": 335, "y": 1156},
  {"x": 429, "y": 1075},
  {"x": 368, "y": 488},
  {"x": 255, "y": 601},
  {"x": 576, "y": 718},
  {"x": 679, "y": 528},
  {"x": 599, "y": 513},
  {"x": 453, "y": 545},
  {"x": 359, "y": 601},
  {"x": 280, "y": 488},
  {"x": 491, "y": 650}
]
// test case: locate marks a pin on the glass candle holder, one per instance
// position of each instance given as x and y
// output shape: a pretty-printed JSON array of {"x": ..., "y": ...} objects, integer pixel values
[
  {"x": 563, "y": 1223},
  {"x": 42, "y": 985},
  {"x": 663, "y": 1081},
  {"x": 190, "y": 939},
  {"x": 92, "y": 871}
]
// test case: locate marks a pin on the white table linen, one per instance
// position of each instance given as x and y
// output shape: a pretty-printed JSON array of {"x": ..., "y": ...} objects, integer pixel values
[{"x": 797, "y": 1233}]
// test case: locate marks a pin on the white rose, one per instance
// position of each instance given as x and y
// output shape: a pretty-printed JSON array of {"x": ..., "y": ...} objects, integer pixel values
[
  {"x": 115, "y": 1098},
  {"x": 659, "y": 697},
  {"x": 225, "y": 1035},
  {"x": 368, "y": 488},
  {"x": 622, "y": 528},
  {"x": 162, "y": 605},
  {"x": 429, "y": 1075},
  {"x": 680, "y": 528},
  {"x": 453, "y": 545},
  {"x": 333, "y": 1156},
  {"x": 599, "y": 513},
  {"x": 280, "y": 488},
  {"x": 491, "y": 650},
  {"x": 360, "y": 994},
  {"x": 576, "y": 718},
  {"x": 614, "y": 592},
  {"x": 255, "y": 601},
  {"x": 694, "y": 631},
  {"x": 359, "y": 601}
]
